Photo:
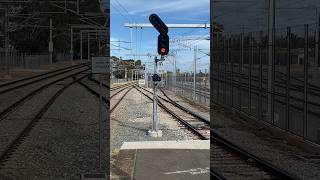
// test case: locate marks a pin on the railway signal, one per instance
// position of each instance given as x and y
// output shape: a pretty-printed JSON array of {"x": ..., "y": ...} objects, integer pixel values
[
  {"x": 163, "y": 38},
  {"x": 163, "y": 44},
  {"x": 163, "y": 49},
  {"x": 158, "y": 24},
  {"x": 156, "y": 78}
]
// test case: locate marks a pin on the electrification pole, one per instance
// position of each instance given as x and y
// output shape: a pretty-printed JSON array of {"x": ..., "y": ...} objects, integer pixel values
[
  {"x": 71, "y": 43},
  {"x": 88, "y": 46},
  {"x": 271, "y": 31},
  {"x": 194, "y": 72},
  {"x": 81, "y": 46},
  {"x": 50, "y": 42},
  {"x": 6, "y": 39},
  {"x": 174, "y": 73}
]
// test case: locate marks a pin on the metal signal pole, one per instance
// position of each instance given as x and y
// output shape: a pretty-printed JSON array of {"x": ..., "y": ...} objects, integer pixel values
[
  {"x": 155, "y": 99},
  {"x": 155, "y": 132}
]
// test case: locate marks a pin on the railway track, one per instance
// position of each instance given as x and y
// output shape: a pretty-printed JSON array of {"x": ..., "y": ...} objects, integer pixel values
[
  {"x": 116, "y": 91},
  {"x": 31, "y": 94},
  {"x": 232, "y": 162},
  {"x": 229, "y": 161},
  {"x": 23, "y": 132},
  {"x": 122, "y": 85},
  {"x": 13, "y": 85},
  {"x": 122, "y": 95},
  {"x": 97, "y": 82},
  {"x": 195, "y": 123},
  {"x": 95, "y": 90}
]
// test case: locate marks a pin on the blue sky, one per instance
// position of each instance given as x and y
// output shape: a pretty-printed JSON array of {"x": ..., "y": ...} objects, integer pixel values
[{"x": 145, "y": 40}]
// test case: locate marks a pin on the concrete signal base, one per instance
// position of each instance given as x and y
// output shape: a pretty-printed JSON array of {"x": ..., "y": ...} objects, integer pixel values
[{"x": 154, "y": 133}]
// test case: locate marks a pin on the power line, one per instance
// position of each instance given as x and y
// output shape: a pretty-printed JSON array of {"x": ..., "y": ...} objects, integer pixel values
[
  {"x": 129, "y": 15},
  {"x": 119, "y": 12}
]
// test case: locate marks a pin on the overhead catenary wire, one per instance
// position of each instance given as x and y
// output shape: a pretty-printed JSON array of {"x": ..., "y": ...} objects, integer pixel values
[
  {"x": 126, "y": 11},
  {"x": 120, "y": 12}
]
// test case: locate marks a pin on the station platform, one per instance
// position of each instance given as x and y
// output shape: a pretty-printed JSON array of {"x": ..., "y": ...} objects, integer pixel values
[{"x": 165, "y": 160}]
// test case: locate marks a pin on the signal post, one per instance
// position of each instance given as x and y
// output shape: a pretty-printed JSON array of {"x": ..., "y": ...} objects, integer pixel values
[{"x": 163, "y": 49}]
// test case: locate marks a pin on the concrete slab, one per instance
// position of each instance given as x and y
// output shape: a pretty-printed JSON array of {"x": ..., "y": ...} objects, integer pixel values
[
  {"x": 189, "y": 144},
  {"x": 168, "y": 164}
]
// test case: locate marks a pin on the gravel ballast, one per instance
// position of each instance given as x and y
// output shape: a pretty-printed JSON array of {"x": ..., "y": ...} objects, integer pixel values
[
  {"x": 64, "y": 144},
  {"x": 263, "y": 144},
  {"x": 131, "y": 120}
]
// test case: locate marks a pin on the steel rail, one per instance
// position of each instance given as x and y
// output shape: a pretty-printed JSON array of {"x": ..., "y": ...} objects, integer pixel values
[
  {"x": 39, "y": 75},
  {"x": 122, "y": 97},
  {"x": 37, "y": 80},
  {"x": 13, "y": 106},
  {"x": 97, "y": 94},
  {"x": 123, "y": 85},
  {"x": 97, "y": 82},
  {"x": 218, "y": 139},
  {"x": 184, "y": 122},
  {"x": 236, "y": 149},
  {"x": 13, "y": 146},
  {"x": 180, "y": 107}
]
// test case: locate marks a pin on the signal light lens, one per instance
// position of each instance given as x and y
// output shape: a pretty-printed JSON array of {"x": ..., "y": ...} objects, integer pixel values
[{"x": 163, "y": 50}]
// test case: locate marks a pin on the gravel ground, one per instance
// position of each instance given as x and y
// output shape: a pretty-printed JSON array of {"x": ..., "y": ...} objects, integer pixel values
[
  {"x": 19, "y": 118},
  {"x": 261, "y": 143},
  {"x": 64, "y": 143},
  {"x": 131, "y": 120}
]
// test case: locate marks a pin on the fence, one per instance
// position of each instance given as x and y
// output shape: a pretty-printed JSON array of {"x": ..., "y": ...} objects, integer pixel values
[
  {"x": 116, "y": 80},
  {"x": 183, "y": 85},
  {"x": 272, "y": 79},
  {"x": 28, "y": 60}
]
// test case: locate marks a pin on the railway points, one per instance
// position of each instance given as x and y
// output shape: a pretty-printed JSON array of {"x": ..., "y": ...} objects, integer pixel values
[
  {"x": 50, "y": 121},
  {"x": 53, "y": 112}
]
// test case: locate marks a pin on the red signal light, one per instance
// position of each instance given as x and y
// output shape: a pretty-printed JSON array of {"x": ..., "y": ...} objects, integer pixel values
[{"x": 163, "y": 44}]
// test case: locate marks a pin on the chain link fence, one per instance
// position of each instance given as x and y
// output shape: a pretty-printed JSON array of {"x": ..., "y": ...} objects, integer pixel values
[
  {"x": 185, "y": 84},
  {"x": 24, "y": 60},
  {"x": 272, "y": 79}
]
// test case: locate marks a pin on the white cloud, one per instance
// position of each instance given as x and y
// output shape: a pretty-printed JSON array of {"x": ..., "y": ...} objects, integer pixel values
[
  {"x": 114, "y": 39},
  {"x": 136, "y": 7}
]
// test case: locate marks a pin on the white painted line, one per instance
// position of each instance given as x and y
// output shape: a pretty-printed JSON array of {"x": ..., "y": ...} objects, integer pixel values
[
  {"x": 195, "y": 171},
  {"x": 189, "y": 144}
]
